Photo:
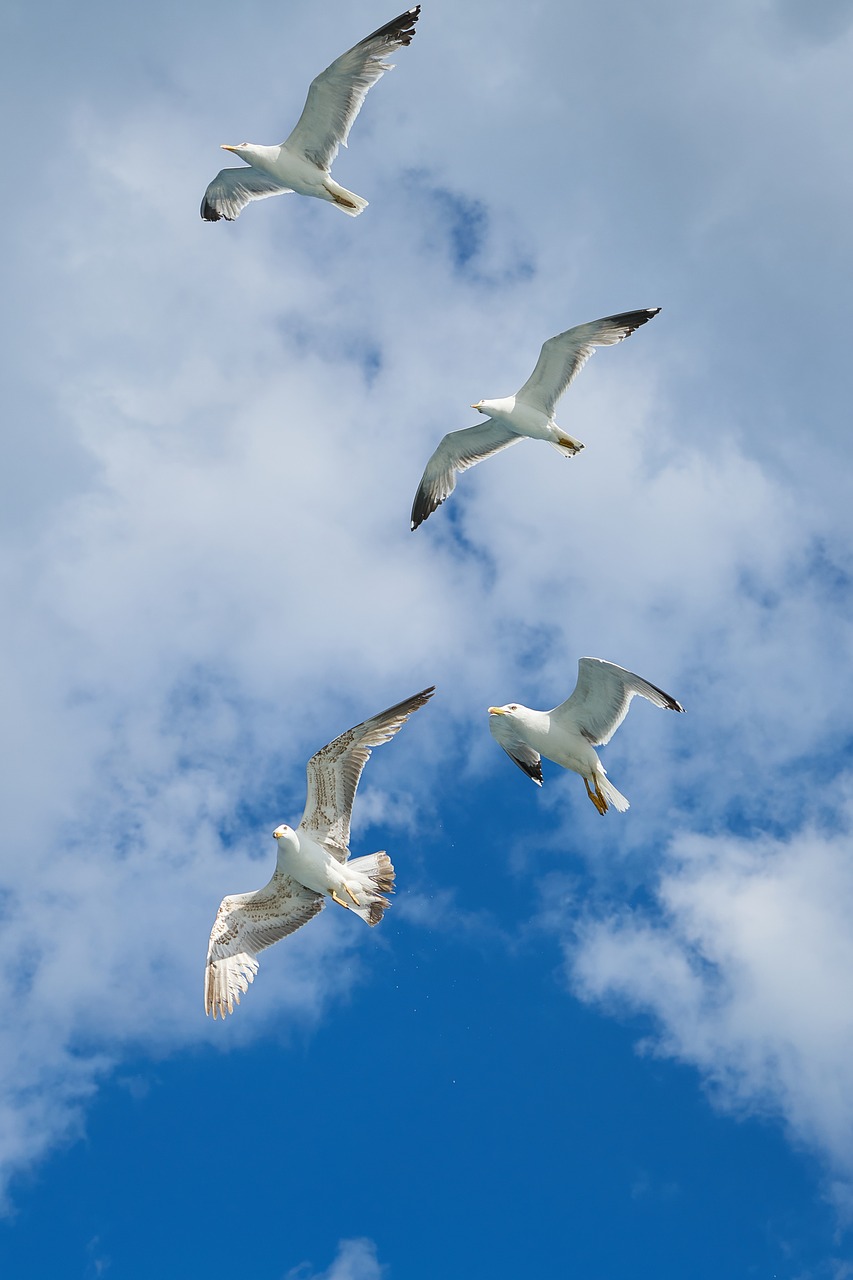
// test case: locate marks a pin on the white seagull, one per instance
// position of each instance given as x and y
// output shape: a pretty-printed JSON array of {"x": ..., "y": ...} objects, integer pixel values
[
  {"x": 312, "y": 865},
  {"x": 568, "y": 734},
  {"x": 302, "y": 163},
  {"x": 530, "y": 412}
]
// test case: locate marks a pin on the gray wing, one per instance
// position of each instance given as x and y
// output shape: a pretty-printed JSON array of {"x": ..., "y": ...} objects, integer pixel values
[
  {"x": 601, "y": 699},
  {"x": 518, "y": 750},
  {"x": 334, "y": 773},
  {"x": 563, "y": 357},
  {"x": 336, "y": 94},
  {"x": 245, "y": 924},
  {"x": 458, "y": 451},
  {"x": 232, "y": 189}
]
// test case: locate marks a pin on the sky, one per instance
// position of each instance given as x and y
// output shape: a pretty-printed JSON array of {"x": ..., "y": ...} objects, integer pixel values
[{"x": 576, "y": 1046}]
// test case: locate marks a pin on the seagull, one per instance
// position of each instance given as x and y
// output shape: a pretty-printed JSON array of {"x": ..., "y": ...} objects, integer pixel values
[
  {"x": 568, "y": 734},
  {"x": 530, "y": 412},
  {"x": 311, "y": 866},
  {"x": 302, "y": 163}
]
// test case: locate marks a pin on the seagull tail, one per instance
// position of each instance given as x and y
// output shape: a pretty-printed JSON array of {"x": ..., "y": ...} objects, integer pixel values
[
  {"x": 346, "y": 201},
  {"x": 611, "y": 795},
  {"x": 371, "y": 877}
]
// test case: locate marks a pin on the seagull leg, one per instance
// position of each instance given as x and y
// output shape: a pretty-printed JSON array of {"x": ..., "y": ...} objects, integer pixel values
[
  {"x": 352, "y": 895},
  {"x": 339, "y": 901},
  {"x": 569, "y": 443},
  {"x": 596, "y": 797}
]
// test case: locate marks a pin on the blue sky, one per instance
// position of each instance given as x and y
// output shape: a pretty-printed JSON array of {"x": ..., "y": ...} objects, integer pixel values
[{"x": 576, "y": 1046}]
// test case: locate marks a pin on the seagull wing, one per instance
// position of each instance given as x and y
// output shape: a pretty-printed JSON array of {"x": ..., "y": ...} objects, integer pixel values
[
  {"x": 232, "y": 189},
  {"x": 562, "y": 358},
  {"x": 601, "y": 699},
  {"x": 336, "y": 94},
  {"x": 458, "y": 451},
  {"x": 246, "y": 923},
  {"x": 334, "y": 773},
  {"x": 520, "y": 751}
]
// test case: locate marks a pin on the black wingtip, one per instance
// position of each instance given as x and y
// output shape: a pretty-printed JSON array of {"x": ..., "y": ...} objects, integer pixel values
[
  {"x": 533, "y": 771},
  {"x": 422, "y": 509},
  {"x": 208, "y": 213},
  {"x": 401, "y": 28},
  {"x": 633, "y": 319},
  {"x": 670, "y": 703}
]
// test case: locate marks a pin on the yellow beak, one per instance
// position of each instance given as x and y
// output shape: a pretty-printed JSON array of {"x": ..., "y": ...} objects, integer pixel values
[
  {"x": 225, "y": 147},
  {"x": 496, "y": 711}
]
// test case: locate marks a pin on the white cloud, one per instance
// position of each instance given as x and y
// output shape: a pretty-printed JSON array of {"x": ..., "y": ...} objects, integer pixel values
[
  {"x": 744, "y": 965},
  {"x": 355, "y": 1260}
]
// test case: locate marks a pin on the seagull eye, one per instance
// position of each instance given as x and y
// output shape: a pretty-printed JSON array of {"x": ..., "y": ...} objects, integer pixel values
[{"x": 514, "y": 707}]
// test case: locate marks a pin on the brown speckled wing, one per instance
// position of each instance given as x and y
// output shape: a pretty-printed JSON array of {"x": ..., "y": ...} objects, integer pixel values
[
  {"x": 334, "y": 773},
  {"x": 245, "y": 924}
]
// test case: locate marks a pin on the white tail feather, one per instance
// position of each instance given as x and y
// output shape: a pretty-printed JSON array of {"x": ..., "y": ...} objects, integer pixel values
[
  {"x": 611, "y": 795},
  {"x": 370, "y": 877}
]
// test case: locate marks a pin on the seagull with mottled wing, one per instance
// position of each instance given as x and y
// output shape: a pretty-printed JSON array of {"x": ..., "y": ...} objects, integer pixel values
[{"x": 313, "y": 865}]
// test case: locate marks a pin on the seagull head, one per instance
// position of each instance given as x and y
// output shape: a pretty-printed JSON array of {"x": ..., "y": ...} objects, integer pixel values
[
  {"x": 478, "y": 406},
  {"x": 283, "y": 832},
  {"x": 243, "y": 149},
  {"x": 513, "y": 718}
]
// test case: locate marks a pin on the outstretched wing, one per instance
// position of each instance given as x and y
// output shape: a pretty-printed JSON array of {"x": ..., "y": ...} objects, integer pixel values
[
  {"x": 246, "y": 923},
  {"x": 336, "y": 94},
  {"x": 563, "y": 357},
  {"x": 334, "y": 773},
  {"x": 458, "y": 451},
  {"x": 529, "y": 761},
  {"x": 232, "y": 189},
  {"x": 601, "y": 699}
]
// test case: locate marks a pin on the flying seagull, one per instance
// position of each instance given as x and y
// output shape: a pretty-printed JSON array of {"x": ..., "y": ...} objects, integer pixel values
[
  {"x": 311, "y": 866},
  {"x": 302, "y": 163},
  {"x": 568, "y": 734},
  {"x": 530, "y": 412}
]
